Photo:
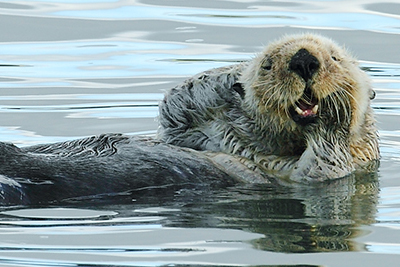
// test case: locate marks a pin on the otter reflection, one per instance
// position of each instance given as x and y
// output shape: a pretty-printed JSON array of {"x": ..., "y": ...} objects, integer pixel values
[{"x": 318, "y": 218}]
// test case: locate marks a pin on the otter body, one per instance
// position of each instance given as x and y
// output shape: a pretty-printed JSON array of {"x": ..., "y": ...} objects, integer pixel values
[
  {"x": 99, "y": 167},
  {"x": 299, "y": 111}
]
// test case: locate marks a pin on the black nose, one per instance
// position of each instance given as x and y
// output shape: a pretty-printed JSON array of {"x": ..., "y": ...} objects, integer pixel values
[{"x": 304, "y": 64}]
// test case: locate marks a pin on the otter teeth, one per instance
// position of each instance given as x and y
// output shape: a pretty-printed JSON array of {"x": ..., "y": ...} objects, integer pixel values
[
  {"x": 307, "y": 112},
  {"x": 315, "y": 109},
  {"x": 299, "y": 110}
]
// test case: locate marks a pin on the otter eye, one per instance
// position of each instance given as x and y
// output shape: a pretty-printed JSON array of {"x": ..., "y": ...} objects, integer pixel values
[
  {"x": 335, "y": 58},
  {"x": 267, "y": 64},
  {"x": 267, "y": 67}
]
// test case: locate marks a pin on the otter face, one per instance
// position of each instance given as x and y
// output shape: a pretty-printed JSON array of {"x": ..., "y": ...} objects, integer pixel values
[{"x": 304, "y": 79}]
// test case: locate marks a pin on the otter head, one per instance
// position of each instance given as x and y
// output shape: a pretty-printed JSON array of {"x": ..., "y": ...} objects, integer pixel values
[{"x": 306, "y": 79}]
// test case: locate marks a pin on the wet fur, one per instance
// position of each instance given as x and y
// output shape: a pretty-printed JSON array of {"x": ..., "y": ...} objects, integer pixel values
[
  {"x": 206, "y": 112},
  {"x": 101, "y": 166}
]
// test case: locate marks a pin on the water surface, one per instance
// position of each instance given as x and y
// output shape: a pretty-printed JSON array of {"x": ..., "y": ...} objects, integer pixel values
[{"x": 76, "y": 68}]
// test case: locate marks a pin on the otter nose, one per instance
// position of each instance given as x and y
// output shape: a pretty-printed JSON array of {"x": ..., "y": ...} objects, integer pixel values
[{"x": 304, "y": 64}]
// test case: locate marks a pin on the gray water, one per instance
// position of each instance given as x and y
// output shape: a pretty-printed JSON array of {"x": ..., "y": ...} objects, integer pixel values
[{"x": 76, "y": 68}]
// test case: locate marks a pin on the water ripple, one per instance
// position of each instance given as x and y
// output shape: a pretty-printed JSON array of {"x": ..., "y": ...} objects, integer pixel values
[{"x": 73, "y": 68}]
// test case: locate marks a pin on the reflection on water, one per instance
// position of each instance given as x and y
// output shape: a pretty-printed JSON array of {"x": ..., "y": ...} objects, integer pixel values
[
  {"x": 301, "y": 219},
  {"x": 191, "y": 224},
  {"x": 76, "y": 68}
]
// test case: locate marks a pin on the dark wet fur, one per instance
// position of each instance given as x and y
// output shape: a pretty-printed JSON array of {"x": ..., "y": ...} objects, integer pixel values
[{"x": 99, "y": 165}]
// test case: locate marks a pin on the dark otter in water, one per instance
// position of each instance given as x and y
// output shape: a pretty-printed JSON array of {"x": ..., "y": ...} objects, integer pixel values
[
  {"x": 299, "y": 111},
  {"x": 100, "y": 167}
]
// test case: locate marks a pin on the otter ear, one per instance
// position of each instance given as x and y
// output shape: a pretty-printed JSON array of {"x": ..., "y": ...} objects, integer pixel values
[
  {"x": 239, "y": 89},
  {"x": 372, "y": 94}
]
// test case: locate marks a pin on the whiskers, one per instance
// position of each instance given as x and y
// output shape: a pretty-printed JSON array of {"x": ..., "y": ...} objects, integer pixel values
[
  {"x": 273, "y": 99},
  {"x": 337, "y": 106},
  {"x": 334, "y": 108}
]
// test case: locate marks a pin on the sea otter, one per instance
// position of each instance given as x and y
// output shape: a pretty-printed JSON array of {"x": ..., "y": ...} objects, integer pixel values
[{"x": 299, "y": 111}]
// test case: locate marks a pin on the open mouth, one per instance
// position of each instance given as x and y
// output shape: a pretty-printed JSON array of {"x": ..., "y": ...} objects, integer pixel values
[{"x": 305, "y": 110}]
